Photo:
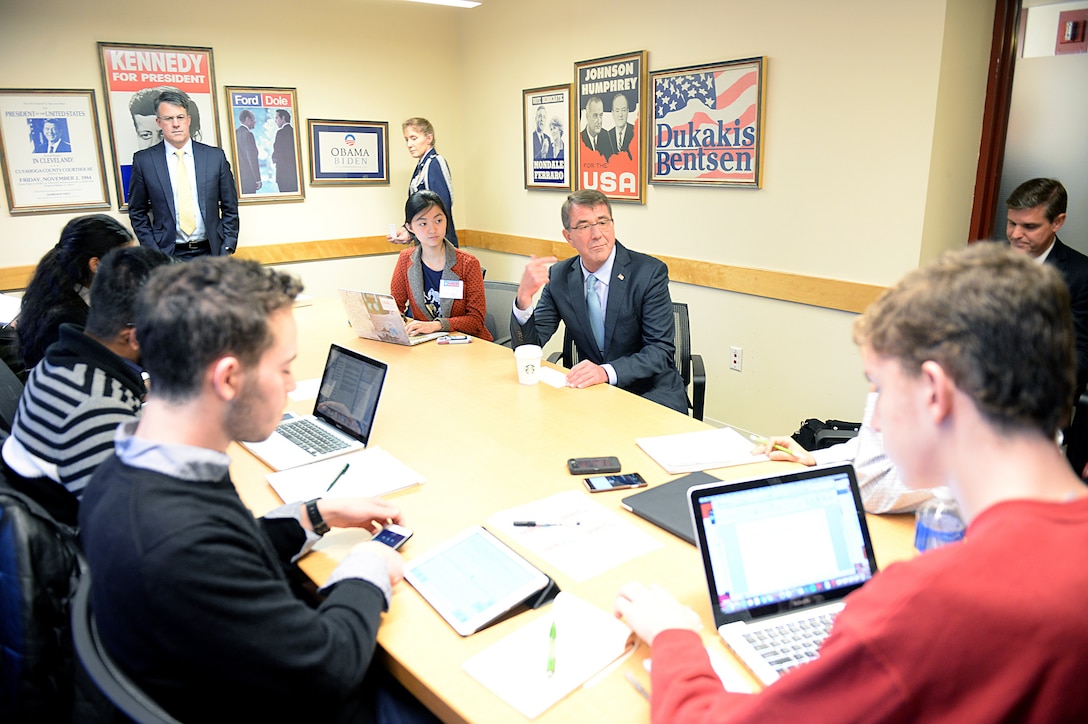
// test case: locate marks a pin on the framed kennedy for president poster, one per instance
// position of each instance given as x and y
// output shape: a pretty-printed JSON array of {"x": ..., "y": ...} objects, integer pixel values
[
  {"x": 610, "y": 106},
  {"x": 134, "y": 76}
]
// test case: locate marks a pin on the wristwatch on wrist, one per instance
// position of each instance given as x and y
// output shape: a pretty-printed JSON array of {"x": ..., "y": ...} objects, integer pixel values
[{"x": 319, "y": 525}]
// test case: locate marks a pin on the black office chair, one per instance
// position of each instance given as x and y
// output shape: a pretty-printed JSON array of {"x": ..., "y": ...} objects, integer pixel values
[
  {"x": 690, "y": 366},
  {"x": 103, "y": 670},
  {"x": 500, "y": 301}
]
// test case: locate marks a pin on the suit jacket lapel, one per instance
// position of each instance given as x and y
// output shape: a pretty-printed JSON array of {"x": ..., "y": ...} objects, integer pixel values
[
  {"x": 617, "y": 292},
  {"x": 200, "y": 163},
  {"x": 158, "y": 163}
]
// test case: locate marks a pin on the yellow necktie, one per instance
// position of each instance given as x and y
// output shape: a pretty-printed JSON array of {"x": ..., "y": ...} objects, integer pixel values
[{"x": 186, "y": 217}]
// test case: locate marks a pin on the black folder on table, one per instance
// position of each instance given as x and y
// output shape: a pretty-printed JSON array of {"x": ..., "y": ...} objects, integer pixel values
[{"x": 666, "y": 506}]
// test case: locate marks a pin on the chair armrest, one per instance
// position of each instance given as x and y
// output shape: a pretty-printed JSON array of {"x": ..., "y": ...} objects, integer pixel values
[
  {"x": 698, "y": 385},
  {"x": 555, "y": 358}
]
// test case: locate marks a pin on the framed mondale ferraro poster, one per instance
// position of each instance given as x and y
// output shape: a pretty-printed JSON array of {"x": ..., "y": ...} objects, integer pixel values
[
  {"x": 610, "y": 100},
  {"x": 265, "y": 144},
  {"x": 134, "y": 76},
  {"x": 546, "y": 125},
  {"x": 708, "y": 124},
  {"x": 348, "y": 153},
  {"x": 50, "y": 152}
]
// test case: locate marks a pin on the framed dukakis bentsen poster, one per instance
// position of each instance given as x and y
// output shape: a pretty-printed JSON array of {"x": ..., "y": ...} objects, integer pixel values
[{"x": 708, "y": 124}]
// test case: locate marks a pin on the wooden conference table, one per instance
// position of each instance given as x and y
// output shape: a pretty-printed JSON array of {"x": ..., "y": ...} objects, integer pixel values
[{"x": 457, "y": 415}]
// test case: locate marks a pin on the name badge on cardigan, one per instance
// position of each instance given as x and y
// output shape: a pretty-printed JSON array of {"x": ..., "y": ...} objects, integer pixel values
[{"x": 451, "y": 289}]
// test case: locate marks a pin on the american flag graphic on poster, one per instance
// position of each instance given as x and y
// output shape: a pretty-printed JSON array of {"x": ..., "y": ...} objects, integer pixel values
[{"x": 708, "y": 125}]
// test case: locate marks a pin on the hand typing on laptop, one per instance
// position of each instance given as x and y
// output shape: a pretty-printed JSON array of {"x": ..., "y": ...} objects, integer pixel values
[{"x": 651, "y": 610}]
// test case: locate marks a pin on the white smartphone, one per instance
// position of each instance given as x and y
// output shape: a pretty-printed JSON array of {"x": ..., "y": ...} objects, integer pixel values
[
  {"x": 393, "y": 535},
  {"x": 454, "y": 339}
]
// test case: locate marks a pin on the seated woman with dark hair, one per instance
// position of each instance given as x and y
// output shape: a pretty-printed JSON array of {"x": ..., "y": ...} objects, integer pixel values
[
  {"x": 439, "y": 286},
  {"x": 60, "y": 289}
]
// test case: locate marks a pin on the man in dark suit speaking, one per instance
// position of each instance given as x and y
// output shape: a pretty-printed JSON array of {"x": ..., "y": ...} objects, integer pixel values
[
  {"x": 182, "y": 198},
  {"x": 1036, "y": 212},
  {"x": 614, "y": 302}
]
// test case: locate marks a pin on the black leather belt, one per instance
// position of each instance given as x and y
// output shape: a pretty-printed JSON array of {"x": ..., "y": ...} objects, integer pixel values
[{"x": 193, "y": 245}]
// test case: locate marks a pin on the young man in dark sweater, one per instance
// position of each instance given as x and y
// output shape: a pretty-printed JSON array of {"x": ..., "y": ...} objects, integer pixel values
[{"x": 195, "y": 598}]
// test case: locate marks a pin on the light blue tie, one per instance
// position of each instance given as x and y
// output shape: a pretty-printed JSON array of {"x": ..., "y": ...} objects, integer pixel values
[{"x": 596, "y": 317}]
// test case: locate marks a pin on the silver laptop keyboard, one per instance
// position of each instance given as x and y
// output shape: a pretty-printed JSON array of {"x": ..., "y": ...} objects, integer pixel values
[
  {"x": 791, "y": 644},
  {"x": 310, "y": 437}
]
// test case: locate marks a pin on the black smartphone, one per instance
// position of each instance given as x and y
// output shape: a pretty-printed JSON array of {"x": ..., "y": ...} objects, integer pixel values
[
  {"x": 393, "y": 535},
  {"x": 601, "y": 483},
  {"x": 592, "y": 466}
]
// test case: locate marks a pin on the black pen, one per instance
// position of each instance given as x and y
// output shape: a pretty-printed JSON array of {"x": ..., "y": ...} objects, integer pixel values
[
  {"x": 338, "y": 476},
  {"x": 535, "y": 524}
]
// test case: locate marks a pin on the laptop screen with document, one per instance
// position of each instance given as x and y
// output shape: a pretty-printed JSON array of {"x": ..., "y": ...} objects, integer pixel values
[
  {"x": 350, "y": 388},
  {"x": 776, "y": 544}
]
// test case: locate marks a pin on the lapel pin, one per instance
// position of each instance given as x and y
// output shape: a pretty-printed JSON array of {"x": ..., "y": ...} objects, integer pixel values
[{"x": 620, "y": 277}]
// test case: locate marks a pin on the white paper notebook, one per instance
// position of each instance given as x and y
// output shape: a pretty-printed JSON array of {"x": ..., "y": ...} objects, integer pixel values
[
  {"x": 691, "y": 452},
  {"x": 587, "y": 640},
  {"x": 371, "y": 472}
]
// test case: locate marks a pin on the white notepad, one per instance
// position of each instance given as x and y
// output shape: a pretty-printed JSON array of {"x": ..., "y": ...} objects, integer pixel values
[
  {"x": 371, "y": 472},
  {"x": 691, "y": 452},
  {"x": 587, "y": 640}
]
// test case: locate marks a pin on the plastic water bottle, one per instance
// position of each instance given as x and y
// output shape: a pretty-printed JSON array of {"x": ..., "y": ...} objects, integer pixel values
[{"x": 938, "y": 522}]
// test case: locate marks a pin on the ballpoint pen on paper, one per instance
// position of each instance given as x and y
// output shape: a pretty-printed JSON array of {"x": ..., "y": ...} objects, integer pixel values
[
  {"x": 338, "y": 476},
  {"x": 537, "y": 524},
  {"x": 551, "y": 650},
  {"x": 776, "y": 446}
]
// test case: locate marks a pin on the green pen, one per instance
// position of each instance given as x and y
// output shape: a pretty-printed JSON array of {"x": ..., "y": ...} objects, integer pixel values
[
  {"x": 551, "y": 650},
  {"x": 338, "y": 476}
]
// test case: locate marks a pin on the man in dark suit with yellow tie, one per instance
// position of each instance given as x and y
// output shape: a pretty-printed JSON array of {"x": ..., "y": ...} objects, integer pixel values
[{"x": 182, "y": 197}]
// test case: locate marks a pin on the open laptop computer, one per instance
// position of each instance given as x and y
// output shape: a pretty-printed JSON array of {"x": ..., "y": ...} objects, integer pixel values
[
  {"x": 375, "y": 316},
  {"x": 780, "y": 553},
  {"x": 343, "y": 415}
]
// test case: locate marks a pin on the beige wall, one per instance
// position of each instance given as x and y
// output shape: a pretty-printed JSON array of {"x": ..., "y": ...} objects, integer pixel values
[{"x": 873, "y": 118}]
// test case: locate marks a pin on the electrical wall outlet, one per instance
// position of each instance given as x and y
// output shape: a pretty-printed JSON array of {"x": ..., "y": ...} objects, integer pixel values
[{"x": 736, "y": 358}]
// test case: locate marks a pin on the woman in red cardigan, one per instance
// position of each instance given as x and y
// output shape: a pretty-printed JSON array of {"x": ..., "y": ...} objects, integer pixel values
[{"x": 436, "y": 284}]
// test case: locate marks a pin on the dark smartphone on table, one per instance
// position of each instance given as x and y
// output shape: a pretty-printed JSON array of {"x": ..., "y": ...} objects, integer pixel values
[{"x": 593, "y": 466}]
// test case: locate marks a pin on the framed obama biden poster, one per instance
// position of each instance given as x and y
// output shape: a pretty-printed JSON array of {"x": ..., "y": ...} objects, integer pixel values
[
  {"x": 610, "y": 107},
  {"x": 134, "y": 76},
  {"x": 546, "y": 123},
  {"x": 708, "y": 124}
]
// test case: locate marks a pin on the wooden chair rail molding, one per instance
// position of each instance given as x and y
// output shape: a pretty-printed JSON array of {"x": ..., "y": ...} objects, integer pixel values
[{"x": 814, "y": 291}]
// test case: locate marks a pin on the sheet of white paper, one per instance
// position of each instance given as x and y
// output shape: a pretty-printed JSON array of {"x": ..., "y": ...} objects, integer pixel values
[
  {"x": 703, "y": 450},
  {"x": 305, "y": 390},
  {"x": 601, "y": 539},
  {"x": 371, "y": 472},
  {"x": 587, "y": 640},
  {"x": 9, "y": 307}
]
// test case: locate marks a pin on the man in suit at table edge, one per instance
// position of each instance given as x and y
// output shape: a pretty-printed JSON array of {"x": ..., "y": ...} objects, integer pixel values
[
  {"x": 989, "y": 629},
  {"x": 1036, "y": 211},
  {"x": 636, "y": 348},
  {"x": 198, "y": 601},
  {"x": 184, "y": 224}
]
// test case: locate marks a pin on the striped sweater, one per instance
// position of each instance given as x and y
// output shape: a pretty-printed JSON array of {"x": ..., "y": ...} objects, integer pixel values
[{"x": 71, "y": 405}]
